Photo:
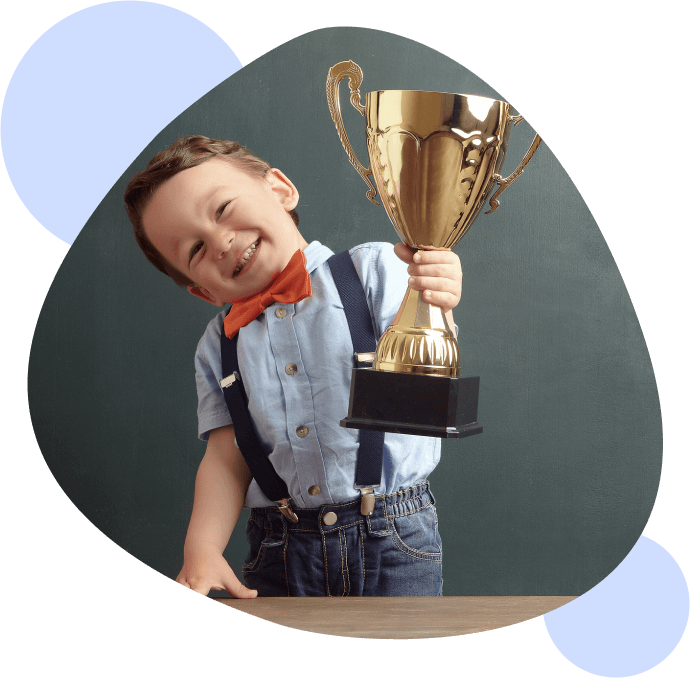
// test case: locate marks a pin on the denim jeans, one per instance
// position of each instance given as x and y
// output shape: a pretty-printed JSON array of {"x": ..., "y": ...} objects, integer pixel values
[{"x": 396, "y": 551}]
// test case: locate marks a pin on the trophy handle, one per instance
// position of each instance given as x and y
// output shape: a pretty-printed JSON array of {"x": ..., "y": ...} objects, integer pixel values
[
  {"x": 348, "y": 69},
  {"x": 504, "y": 183}
]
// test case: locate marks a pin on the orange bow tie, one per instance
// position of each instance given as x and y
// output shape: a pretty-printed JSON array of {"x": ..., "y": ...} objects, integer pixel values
[{"x": 289, "y": 286}]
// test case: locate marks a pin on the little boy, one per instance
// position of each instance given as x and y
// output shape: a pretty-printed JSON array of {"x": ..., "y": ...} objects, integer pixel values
[{"x": 222, "y": 222}]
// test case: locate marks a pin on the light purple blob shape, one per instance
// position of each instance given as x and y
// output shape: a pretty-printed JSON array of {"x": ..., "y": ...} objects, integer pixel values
[
  {"x": 91, "y": 93},
  {"x": 629, "y": 622}
]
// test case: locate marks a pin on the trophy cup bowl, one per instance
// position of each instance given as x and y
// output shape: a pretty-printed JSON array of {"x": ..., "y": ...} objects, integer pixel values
[{"x": 434, "y": 158}]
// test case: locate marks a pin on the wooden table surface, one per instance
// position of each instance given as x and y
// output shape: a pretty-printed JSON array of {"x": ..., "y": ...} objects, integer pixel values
[{"x": 399, "y": 617}]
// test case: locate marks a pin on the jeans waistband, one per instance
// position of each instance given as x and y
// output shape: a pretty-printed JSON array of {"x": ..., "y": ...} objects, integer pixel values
[{"x": 349, "y": 513}]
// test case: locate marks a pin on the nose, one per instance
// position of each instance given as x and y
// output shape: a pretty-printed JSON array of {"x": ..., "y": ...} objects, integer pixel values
[{"x": 222, "y": 241}]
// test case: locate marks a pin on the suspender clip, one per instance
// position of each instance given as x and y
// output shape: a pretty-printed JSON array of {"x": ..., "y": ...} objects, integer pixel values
[
  {"x": 285, "y": 508},
  {"x": 368, "y": 501},
  {"x": 229, "y": 380},
  {"x": 365, "y": 357}
]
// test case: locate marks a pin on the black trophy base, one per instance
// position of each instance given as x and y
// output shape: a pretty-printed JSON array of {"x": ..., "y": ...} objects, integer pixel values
[{"x": 417, "y": 404}]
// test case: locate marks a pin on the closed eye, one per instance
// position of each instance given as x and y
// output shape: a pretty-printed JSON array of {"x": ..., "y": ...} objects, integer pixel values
[
  {"x": 221, "y": 209},
  {"x": 195, "y": 250}
]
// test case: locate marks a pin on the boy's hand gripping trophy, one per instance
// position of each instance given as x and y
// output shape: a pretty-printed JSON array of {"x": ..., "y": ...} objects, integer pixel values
[{"x": 435, "y": 158}]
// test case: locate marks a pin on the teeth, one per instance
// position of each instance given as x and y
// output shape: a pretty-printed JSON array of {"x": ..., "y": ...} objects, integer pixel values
[{"x": 245, "y": 257}]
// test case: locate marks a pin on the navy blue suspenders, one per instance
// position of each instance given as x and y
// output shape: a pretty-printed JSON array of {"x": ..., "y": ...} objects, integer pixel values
[{"x": 370, "y": 454}]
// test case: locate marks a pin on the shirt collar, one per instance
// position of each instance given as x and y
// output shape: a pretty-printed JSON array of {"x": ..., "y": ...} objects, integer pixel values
[{"x": 316, "y": 254}]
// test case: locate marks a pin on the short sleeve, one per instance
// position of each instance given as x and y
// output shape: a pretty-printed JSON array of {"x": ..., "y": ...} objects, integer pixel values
[
  {"x": 384, "y": 277},
  {"x": 212, "y": 411}
]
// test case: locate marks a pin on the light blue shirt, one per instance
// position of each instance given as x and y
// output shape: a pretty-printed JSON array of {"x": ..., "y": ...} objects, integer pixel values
[{"x": 313, "y": 336}]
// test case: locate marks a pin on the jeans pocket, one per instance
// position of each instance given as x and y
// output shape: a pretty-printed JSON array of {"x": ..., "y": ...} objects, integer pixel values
[
  {"x": 261, "y": 540},
  {"x": 416, "y": 534}
]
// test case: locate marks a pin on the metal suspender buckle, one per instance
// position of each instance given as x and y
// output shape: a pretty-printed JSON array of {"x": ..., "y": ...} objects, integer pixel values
[
  {"x": 365, "y": 357},
  {"x": 229, "y": 380},
  {"x": 368, "y": 501},
  {"x": 285, "y": 508}
]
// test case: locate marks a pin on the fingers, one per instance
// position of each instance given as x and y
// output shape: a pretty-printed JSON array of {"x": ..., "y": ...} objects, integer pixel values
[
  {"x": 230, "y": 583},
  {"x": 430, "y": 263},
  {"x": 198, "y": 585},
  {"x": 444, "y": 300},
  {"x": 243, "y": 592},
  {"x": 438, "y": 275},
  {"x": 235, "y": 588},
  {"x": 403, "y": 252},
  {"x": 435, "y": 284},
  {"x": 435, "y": 262}
]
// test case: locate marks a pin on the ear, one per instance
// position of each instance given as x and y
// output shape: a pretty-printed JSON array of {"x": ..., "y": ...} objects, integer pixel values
[
  {"x": 204, "y": 294},
  {"x": 282, "y": 188}
]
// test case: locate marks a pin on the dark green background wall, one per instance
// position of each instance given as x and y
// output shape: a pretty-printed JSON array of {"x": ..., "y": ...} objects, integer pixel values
[{"x": 547, "y": 501}]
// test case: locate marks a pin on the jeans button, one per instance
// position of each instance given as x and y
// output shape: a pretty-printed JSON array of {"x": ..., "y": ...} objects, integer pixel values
[{"x": 330, "y": 518}]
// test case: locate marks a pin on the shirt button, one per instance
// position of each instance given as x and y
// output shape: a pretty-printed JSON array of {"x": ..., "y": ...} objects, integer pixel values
[
  {"x": 314, "y": 490},
  {"x": 302, "y": 431},
  {"x": 330, "y": 518},
  {"x": 281, "y": 312},
  {"x": 291, "y": 368}
]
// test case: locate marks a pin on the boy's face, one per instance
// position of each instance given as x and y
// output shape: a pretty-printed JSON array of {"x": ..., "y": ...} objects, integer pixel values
[{"x": 225, "y": 229}]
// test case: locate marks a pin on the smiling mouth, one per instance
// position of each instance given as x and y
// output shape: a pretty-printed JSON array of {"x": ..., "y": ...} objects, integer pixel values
[{"x": 245, "y": 258}]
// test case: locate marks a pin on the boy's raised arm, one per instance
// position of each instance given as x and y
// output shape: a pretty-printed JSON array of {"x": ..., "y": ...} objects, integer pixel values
[{"x": 221, "y": 486}]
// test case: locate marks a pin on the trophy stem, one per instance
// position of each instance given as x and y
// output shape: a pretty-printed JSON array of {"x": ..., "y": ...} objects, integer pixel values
[{"x": 421, "y": 342}]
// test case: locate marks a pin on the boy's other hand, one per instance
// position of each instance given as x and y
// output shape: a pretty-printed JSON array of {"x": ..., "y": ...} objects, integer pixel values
[
  {"x": 205, "y": 569},
  {"x": 435, "y": 273}
]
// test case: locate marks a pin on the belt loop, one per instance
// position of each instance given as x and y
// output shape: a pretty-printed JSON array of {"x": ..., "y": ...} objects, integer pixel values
[
  {"x": 428, "y": 489},
  {"x": 285, "y": 508}
]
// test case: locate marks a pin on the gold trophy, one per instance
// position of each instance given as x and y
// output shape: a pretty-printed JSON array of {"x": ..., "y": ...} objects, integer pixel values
[{"x": 434, "y": 158}]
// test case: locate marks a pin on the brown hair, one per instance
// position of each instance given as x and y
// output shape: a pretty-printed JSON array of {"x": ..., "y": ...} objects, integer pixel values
[{"x": 186, "y": 152}]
